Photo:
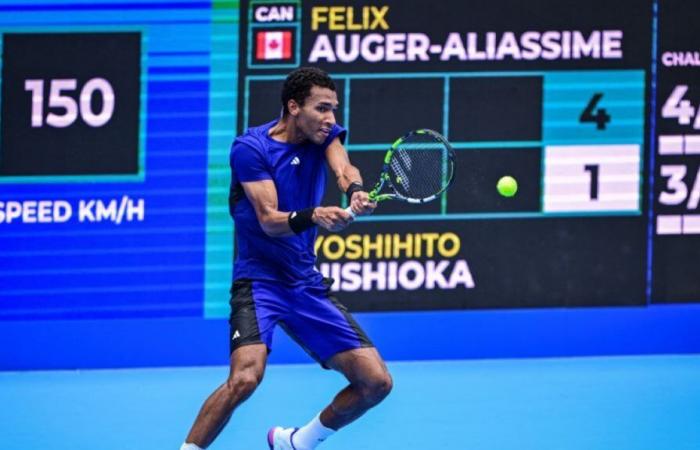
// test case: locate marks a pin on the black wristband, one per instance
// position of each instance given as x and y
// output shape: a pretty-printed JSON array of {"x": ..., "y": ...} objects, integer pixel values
[
  {"x": 354, "y": 187},
  {"x": 300, "y": 221}
]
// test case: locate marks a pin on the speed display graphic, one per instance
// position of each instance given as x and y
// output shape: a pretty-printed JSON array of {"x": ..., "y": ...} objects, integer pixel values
[
  {"x": 60, "y": 112},
  {"x": 108, "y": 112},
  {"x": 556, "y": 96}
]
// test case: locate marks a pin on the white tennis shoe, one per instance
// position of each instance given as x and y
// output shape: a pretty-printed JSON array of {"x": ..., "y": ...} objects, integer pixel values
[{"x": 279, "y": 438}]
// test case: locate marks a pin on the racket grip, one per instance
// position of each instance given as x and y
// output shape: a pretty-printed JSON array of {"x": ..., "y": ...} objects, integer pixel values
[{"x": 349, "y": 211}]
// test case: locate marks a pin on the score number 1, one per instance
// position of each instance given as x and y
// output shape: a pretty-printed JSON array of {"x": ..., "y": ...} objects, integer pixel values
[{"x": 71, "y": 108}]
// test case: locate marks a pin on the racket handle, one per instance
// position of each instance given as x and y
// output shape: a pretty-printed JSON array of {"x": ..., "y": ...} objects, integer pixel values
[{"x": 349, "y": 211}]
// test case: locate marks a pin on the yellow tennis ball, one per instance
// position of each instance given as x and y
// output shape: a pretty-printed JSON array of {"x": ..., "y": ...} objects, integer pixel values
[{"x": 507, "y": 186}]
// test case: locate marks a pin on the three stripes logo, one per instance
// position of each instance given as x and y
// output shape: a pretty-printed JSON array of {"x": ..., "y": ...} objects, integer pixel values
[{"x": 296, "y": 161}]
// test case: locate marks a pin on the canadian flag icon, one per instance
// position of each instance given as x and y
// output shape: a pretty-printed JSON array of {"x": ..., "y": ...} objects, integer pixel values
[{"x": 273, "y": 45}]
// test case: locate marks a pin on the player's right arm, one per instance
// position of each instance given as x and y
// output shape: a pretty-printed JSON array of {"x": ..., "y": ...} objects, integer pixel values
[{"x": 275, "y": 223}]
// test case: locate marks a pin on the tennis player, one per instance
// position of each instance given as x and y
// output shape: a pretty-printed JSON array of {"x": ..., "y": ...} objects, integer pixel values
[{"x": 278, "y": 179}]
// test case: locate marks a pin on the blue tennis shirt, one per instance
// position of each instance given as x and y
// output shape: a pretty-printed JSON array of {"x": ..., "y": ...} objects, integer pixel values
[{"x": 299, "y": 174}]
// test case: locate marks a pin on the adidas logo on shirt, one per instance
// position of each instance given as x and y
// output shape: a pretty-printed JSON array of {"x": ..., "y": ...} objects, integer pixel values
[
  {"x": 296, "y": 161},
  {"x": 236, "y": 335}
]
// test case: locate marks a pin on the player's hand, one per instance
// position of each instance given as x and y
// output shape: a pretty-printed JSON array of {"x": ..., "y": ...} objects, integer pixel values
[
  {"x": 361, "y": 204},
  {"x": 331, "y": 218}
]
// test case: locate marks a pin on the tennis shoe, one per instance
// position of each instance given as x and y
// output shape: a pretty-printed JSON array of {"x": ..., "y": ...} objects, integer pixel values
[{"x": 279, "y": 438}]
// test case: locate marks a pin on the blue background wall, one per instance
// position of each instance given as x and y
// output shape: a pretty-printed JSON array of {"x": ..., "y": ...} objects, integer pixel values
[
  {"x": 153, "y": 291},
  {"x": 399, "y": 336}
]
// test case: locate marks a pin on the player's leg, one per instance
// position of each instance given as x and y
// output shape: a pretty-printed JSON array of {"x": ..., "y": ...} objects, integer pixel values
[
  {"x": 370, "y": 382},
  {"x": 254, "y": 313},
  {"x": 246, "y": 372},
  {"x": 325, "y": 329}
]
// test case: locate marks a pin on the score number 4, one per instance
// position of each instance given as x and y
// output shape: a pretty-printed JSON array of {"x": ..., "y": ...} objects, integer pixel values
[
  {"x": 601, "y": 116},
  {"x": 71, "y": 108},
  {"x": 676, "y": 107}
]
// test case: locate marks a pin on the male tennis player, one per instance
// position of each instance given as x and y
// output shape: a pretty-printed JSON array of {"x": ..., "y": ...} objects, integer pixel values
[{"x": 278, "y": 178}]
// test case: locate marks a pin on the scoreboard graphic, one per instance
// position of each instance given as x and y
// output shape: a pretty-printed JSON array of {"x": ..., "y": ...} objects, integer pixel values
[
  {"x": 116, "y": 120},
  {"x": 565, "y": 101}
]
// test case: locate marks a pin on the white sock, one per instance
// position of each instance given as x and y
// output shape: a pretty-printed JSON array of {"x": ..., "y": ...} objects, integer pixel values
[
  {"x": 187, "y": 446},
  {"x": 311, "y": 434}
]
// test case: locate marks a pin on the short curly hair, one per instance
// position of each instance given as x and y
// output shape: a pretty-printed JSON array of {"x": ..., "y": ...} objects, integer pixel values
[{"x": 299, "y": 82}]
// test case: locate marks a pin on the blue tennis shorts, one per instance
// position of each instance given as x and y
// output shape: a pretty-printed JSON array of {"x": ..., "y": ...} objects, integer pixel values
[{"x": 310, "y": 315}]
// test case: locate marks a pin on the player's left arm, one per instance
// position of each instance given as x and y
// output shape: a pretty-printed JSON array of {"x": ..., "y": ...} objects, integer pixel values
[{"x": 346, "y": 175}]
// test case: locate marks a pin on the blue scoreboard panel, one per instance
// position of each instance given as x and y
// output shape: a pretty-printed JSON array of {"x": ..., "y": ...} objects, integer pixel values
[{"x": 116, "y": 120}]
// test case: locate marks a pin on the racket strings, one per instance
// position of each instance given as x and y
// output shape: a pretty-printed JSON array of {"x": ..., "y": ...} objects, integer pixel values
[
  {"x": 401, "y": 177},
  {"x": 419, "y": 168}
]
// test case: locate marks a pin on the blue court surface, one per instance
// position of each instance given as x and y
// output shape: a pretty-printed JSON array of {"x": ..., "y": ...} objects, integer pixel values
[{"x": 621, "y": 403}]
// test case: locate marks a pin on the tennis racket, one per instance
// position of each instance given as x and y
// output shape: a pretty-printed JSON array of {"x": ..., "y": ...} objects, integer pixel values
[{"x": 417, "y": 169}]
